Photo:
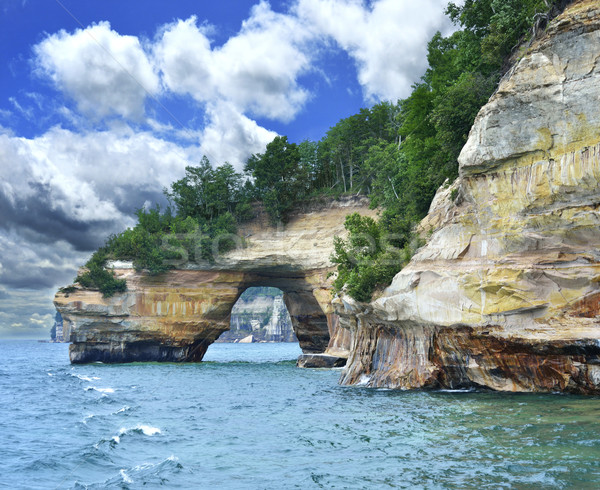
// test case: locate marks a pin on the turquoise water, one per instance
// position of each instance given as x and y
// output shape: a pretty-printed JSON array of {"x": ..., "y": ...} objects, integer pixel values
[{"x": 248, "y": 418}]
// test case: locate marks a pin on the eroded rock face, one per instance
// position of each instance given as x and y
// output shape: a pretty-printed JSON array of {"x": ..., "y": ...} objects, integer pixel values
[
  {"x": 506, "y": 294},
  {"x": 177, "y": 315}
]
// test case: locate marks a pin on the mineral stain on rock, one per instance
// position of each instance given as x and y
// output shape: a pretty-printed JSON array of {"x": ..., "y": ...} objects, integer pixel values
[
  {"x": 506, "y": 294},
  {"x": 175, "y": 316}
]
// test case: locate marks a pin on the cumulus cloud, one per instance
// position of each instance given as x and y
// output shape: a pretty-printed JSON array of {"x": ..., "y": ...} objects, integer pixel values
[
  {"x": 65, "y": 192},
  {"x": 387, "y": 38},
  {"x": 104, "y": 72},
  {"x": 256, "y": 70},
  {"x": 231, "y": 136},
  {"x": 45, "y": 320}
]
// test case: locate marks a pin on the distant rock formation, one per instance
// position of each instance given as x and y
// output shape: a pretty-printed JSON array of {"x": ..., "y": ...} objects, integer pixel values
[
  {"x": 263, "y": 315},
  {"x": 57, "y": 331},
  {"x": 506, "y": 294}
]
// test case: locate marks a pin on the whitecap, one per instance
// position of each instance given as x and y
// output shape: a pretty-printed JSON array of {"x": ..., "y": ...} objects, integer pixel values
[
  {"x": 50, "y": 374},
  {"x": 115, "y": 439},
  {"x": 126, "y": 478},
  {"x": 88, "y": 417},
  {"x": 147, "y": 430},
  {"x": 85, "y": 378},
  {"x": 363, "y": 380},
  {"x": 105, "y": 390},
  {"x": 121, "y": 410},
  {"x": 101, "y": 390}
]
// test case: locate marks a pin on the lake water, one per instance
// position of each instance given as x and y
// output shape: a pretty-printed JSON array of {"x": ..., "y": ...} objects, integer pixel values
[{"x": 248, "y": 418}]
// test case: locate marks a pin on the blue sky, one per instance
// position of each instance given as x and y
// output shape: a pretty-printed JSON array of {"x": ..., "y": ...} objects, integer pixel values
[{"x": 104, "y": 102}]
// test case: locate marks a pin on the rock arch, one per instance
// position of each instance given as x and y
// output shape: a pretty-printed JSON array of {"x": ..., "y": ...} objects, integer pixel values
[{"x": 177, "y": 315}]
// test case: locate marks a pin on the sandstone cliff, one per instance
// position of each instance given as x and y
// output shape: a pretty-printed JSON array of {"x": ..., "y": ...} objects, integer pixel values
[
  {"x": 506, "y": 294},
  {"x": 177, "y": 315}
]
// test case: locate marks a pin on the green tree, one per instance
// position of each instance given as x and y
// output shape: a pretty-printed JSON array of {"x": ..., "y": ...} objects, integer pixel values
[{"x": 279, "y": 179}]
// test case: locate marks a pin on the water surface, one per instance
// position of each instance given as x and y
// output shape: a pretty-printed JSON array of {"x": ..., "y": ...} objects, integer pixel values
[{"x": 248, "y": 418}]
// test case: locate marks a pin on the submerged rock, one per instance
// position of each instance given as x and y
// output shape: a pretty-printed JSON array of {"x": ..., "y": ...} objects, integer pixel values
[{"x": 506, "y": 294}]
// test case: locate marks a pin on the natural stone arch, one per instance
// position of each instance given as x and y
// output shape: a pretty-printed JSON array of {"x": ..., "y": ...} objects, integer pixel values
[
  {"x": 310, "y": 322},
  {"x": 175, "y": 316}
]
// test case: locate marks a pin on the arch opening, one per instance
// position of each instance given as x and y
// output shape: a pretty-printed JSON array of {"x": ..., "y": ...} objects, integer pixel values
[
  {"x": 259, "y": 315},
  {"x": 309, "y": 321}
]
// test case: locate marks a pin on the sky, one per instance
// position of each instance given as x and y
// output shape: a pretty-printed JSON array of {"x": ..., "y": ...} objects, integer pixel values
[{"x": 103, "y": 103}]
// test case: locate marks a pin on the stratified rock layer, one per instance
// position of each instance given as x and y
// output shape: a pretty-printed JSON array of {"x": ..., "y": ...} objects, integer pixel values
[
  {"x": 506, "y": 294},
  {"x": 177, "y": 315}
]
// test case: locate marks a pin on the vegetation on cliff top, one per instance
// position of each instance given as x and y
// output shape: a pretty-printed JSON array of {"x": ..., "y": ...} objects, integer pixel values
[{"x": 397, "y": 154}]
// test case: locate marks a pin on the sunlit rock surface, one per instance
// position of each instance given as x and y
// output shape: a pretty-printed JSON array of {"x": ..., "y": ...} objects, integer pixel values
[
  {"x": 177, "y": 315},
  {"x": 506, "y": 294}
]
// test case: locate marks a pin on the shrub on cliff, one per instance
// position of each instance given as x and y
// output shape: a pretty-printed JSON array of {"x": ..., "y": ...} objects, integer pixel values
[
  {"x": 367, "y": 259},
  {"x": 97, "y": 277}
]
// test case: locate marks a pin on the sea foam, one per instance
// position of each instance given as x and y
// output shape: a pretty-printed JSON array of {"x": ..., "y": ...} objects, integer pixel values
[{"x": 147, "y": 430}]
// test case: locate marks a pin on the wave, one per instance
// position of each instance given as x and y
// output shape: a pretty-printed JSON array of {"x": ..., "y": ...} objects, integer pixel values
[
  {"x": 101, "y": 390},
  {"x": 147, "y": 430},
  {"x": 85, "y": 378},
  {"x": 153, "y": 474},
  {"x": 126, "y": 479}
]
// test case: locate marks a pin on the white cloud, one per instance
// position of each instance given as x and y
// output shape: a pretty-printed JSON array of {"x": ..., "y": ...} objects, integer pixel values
[
  {"x": 256, "y": 70},
  {"x": 65, "y": 192},
  {"x": 185, "y": 58},
  {"x": 78, "y": 170},
  {"x": 231, "y": 136},
  {"x": 387, "y": 39},
  {"x": 45, "y": 320},
  {"x": 104, "y": 72}
]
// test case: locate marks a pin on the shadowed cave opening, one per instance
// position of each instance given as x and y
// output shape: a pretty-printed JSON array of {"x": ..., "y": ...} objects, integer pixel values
[{"x": 277, "y": 308}]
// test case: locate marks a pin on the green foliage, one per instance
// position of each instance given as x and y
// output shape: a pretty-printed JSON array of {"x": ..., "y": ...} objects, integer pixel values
[
  {"x": 366, "y": 259},
  {"x": 279, "y": 178},
  {"x": 205, "y": 193},
  {"x": 209, "y": 203},
  {"x": 98, "y": 277},
  {"x": 497, "y": 26}
]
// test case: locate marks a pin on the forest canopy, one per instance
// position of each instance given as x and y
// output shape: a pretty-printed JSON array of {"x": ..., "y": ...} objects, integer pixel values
[{"x": 397, "y": 153}]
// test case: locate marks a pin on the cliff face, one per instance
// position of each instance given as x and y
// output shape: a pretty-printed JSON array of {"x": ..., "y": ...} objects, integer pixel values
[
  {"x": 506, "y": 294},
  {"x": 177, "y": 315}
]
